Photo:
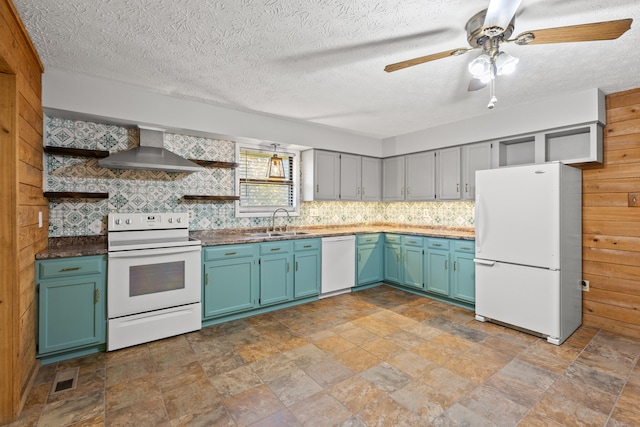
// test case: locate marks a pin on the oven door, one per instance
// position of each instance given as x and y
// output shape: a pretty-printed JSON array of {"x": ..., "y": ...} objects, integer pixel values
[{"x": 152, "y": 279}]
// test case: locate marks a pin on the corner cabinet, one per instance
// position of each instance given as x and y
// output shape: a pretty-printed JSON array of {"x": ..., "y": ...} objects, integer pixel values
[{"x": 71, "y": 305}]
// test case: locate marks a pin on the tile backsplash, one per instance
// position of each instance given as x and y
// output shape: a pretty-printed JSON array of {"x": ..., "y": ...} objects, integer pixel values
[{"x": 156, "y": 191}]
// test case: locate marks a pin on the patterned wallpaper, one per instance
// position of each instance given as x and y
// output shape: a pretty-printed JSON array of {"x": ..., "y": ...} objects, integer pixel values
[{"x": 154, "y": 191}]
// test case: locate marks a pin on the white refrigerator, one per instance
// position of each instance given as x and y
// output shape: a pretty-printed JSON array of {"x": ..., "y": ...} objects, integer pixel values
[{"x": 528, "y": 259}]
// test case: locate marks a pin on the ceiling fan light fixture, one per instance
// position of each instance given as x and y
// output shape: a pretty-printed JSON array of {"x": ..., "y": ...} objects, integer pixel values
[
  {"x": 481, "y": 66},
  {"x": 505, "y": 63}
]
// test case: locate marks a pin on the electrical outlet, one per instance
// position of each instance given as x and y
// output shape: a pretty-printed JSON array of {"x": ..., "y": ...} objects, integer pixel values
[
  {"x": 313, "y": 212},
  {"x": 585, "y": 285},
  {"x": 190, "y": 215}
]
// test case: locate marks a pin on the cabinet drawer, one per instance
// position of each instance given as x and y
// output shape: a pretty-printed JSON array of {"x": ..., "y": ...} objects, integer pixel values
[
  {"x": 228, "y": 251},
  {"x": 438, "y": 244},
  {"x": 66, "y": 267},
  {"x": 464, "y": 246},
  {"x": 275, "y": 247},
  {"x": 392, "y": 238},
  {"x": 306, "y": 245},
  {"x": 367, "y": 239},
  {"x": 412, "y": 241}
]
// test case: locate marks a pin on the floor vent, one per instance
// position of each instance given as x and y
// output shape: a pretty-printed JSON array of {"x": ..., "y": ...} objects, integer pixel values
[{"x": 65, "y": 380}]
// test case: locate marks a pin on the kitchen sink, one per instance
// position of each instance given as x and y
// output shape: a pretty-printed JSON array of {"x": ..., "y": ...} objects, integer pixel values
[{"x": 278, "y": 234}]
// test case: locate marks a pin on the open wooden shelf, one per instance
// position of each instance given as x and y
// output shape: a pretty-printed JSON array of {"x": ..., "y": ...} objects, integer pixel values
[
  {"x": 213, "y": 163},
  {"x": 210, "y": 198},
  {"x": 74, "y": 195},
  {"x": 80, "y": 152}
]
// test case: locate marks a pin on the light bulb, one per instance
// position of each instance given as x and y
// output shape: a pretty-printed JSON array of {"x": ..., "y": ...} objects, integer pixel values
[
  {"x": 505, "y": 63},
  {"x": 481, "y": 66}
]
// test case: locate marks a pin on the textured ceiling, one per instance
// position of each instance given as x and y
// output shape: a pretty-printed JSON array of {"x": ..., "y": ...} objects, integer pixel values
[{"x": 322, "y": 60}]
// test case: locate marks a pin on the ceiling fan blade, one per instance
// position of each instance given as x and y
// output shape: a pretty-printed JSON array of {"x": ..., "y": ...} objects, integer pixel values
[
  {"x": 607, "y": 30},
  {"x": 421, "y": 60},
  {"x": 500, "y": 13},
  {"x": 476, "y": 84}
]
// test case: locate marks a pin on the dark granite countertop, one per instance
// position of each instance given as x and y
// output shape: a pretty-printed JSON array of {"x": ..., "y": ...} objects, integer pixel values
[{"x": 62, "y": 247}]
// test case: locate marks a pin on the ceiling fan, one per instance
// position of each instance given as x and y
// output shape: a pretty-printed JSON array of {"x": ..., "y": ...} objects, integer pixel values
[{"x": 490, "y": 27}]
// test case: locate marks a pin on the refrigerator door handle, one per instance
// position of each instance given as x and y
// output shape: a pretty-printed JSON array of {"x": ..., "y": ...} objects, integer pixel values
[
  {"x": 479, "y": 227},
  {"x": 484, "y": 262}
]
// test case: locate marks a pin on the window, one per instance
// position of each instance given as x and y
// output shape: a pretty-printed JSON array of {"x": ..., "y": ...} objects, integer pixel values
[{"x": 260, "y": 196}]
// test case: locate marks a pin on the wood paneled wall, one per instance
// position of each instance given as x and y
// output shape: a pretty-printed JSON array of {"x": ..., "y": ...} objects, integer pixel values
[
  {"x": 21, "y": 200},
  {"x": 611, "y": 228}
]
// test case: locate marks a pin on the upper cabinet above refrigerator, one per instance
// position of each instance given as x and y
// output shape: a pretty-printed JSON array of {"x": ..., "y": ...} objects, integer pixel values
[{"x": 571, "y": 145}]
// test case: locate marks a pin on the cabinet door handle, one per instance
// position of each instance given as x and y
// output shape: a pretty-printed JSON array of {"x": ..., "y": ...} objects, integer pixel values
[
  {"x": 454, "y": 265},
  {"x": 446, "y": 264},
  {"x": 275, "y": 249},
  {"x": 70, "y": 269},
  {"x": 206, "y": 279},
  {"x": 466, "y": 188},
  {"x": 97, "y": 296},
  {"x": 230, "y": 253},
  {"x": 288, "y": 267},
  {"x": 397, "y": 257},
  {"x": 457, "y": 187},
  {"x": 404, "y": 258},
  {"x": 307, "y": 246},
  {"x": 296, "y": 265},
  {"x": 358, "y": 191},
  {"x": 412, "y": 241},
  {"x": 465, "y": 248},
  {"x": 437, "y": 244},
  {"x": 317, "y": 188},
  {"x": 359, "y": 256}
]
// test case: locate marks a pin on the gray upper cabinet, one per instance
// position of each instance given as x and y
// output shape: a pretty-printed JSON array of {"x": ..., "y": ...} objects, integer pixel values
[
  {"x": 320, "y": 175},
  {"x": 475, "y": 157},
  {"x": 393, "y": 179},
  {"x": 371, "y": 179},
  {"x": 328, "y": 175},
  {"x": 421, "y": 176},
  {"x": 350, "y": 177},
  {"x": 448, "y": 167}
]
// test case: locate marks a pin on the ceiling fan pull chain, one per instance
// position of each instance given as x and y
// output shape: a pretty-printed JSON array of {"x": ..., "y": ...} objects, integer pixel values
[{"x": 492, "y": 88}]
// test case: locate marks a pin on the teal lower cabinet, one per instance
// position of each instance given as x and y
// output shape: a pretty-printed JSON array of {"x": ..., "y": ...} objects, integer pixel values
[
  {"x": 464, "y": 271},
  {"x": 392, "y": 258},
  {"x": 412, "y": 262},
  {"x": 276, "y": 274},
  {"x": 230, "y": 279},
  {"x": 71, "y": 306},
  {"x": 246, "y": 279},
  {"x": 307, "y": 268},
  {"x": 368, "y": 259},
  {"x": 438, "y": 260}
]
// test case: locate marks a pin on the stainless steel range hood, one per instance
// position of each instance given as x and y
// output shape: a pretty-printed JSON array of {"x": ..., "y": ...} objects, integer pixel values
[{"x": 150, "y": 155}]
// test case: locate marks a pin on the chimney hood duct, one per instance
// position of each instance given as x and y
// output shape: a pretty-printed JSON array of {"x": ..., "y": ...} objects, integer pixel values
[{"x": 150, "y": 155}]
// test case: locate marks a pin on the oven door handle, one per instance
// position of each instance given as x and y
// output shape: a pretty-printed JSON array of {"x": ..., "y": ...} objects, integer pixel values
[{"x": 157, "y": 251}]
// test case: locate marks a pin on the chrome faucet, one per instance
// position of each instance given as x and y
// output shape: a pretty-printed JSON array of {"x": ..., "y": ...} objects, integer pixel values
[{"x": 273, "y": 219}]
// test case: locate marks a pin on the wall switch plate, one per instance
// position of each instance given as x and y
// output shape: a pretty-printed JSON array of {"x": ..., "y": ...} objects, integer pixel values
[{"x": 585, "y": 285}]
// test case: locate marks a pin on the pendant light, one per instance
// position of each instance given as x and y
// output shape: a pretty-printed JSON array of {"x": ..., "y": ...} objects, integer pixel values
[{"x": 275, "y": 170}]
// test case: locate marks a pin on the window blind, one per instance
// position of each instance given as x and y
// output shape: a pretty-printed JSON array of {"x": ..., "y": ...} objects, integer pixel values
[{"x": 258, "y": 191}]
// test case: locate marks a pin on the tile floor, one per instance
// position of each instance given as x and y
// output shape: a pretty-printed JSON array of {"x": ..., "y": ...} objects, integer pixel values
[{"x": 380, "y": 357}]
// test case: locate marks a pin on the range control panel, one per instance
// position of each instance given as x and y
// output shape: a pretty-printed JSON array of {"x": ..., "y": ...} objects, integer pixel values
[{"x": 147, "y": 221}]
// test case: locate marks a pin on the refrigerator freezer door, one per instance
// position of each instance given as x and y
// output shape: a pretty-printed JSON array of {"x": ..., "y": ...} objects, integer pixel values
[
  {"x": 521, "y": 296},
  {"x": 518, "y": 215}
]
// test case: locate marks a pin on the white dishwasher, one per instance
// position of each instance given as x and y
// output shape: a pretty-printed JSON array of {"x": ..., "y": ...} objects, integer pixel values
[{"x": 338, "y": 265}]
